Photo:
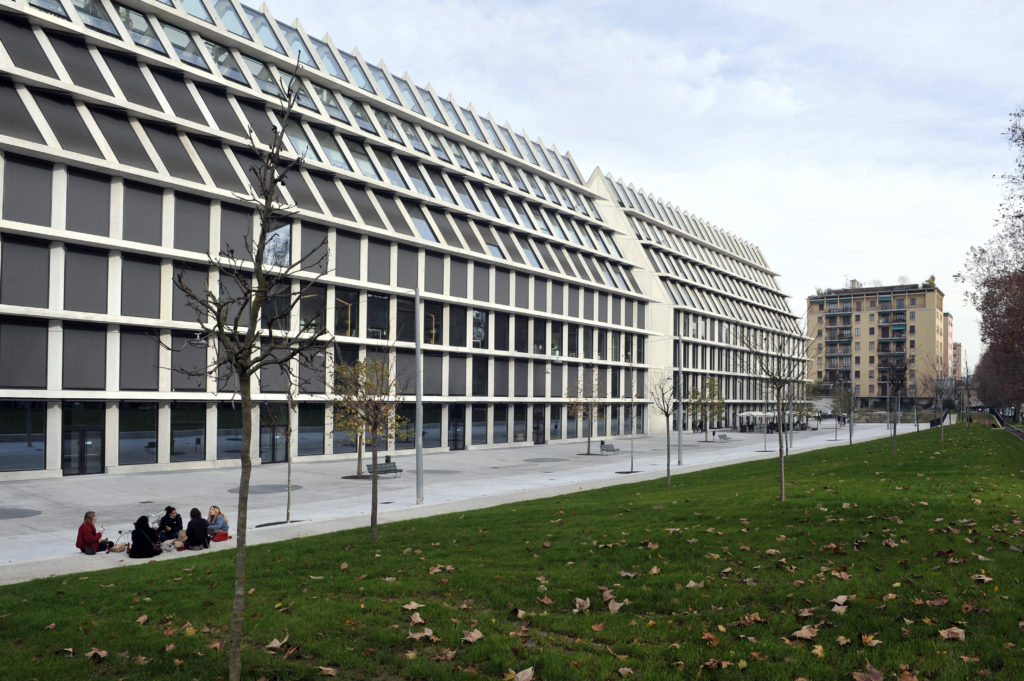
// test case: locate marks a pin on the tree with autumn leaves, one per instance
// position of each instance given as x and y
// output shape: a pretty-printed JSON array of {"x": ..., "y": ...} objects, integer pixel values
[{"x": 995, "y": 270}]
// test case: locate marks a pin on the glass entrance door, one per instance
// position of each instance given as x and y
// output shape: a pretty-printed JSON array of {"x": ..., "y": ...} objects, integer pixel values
[
  {"x": 538, "y": 424},
  {"x": 273, "y": 444},
  {"x": 82, "y": 450},
  {"x": 456, "y": 427}
]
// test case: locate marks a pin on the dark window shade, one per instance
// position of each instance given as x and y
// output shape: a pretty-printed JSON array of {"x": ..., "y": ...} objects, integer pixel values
[
  {"x": 405, "y": 372},
  {"x": 582, "y": 271},
  {"x": 188, "y": 363},
  {"x": 602, "y": 307},
  {"x": 143, "y": 213},
  {"x": 347, "y": 255},
  {"x": 129, "y": 78},
  {"x": 444, "y": 226},
  {"x": 22, "y": 46},
  {"x": 67, "y": 124},
  {"x": 301, "y": 193},
  {"x": 522, "y": 290},
  {"x": 331, "y": 195},
  {"x": 408, "y": 267},
  {"x": 557, "y": 293},
  {"x": 172, "y": 152},
  {"x": 468, "y": 235},
  {"x": 312, "y": 373},
  {"x": 88, "y": 204},
  {"x": 538, "y": 380},
  {"x": 501, "y": 287},
  {"x": 217, "y": 165},
  {"x": 178, "y": 95},
  {"x": 140, "y": 287},
  {"x": 313, "y": 248},
  {"x": 394, "y": 215},
  {"x": 259, "y": 120},
  {"x": 510, "y": 246},
  {"x": 433, "y": 273},
  {"x": 198, "y": 282},
  {"x": 140, "y": 357},
  {"x": 560, "y": 254},
  {"x": 540, "y": 295},
  {"x": 235, "y": 232},
  {"x": 224, "y": 117},
  {"x": 22, "y": 353},
  {"x": 85, "y": 357},
  {"x": 25, "y": 273},
  {"x": 367, "y": 212},
  {"x": 28, "y": 187},
  {"x": 191, "y": 223},
  {"x": 456, "y": 375},
  {"x": 274, "y": 378},
  {"x": 122, "y": 139},
  {"x": 79, "y": 63},
  {"x": 14, "y": 117},
  {"x": 629, "y": 312},
  {"x": 574, "y": 301},
  {"x": 500, "y": 382},
  {"x": 588, "y": 305},
  {"x": 481, "y": 283},
  {"x": 545, "y": 255},
  {"x": 85, "y": 280},
  {"x": 458, "y": 277},
  {"x": 378, "y": 262},
  {"x": 432, "y": 374},
  {"x": 616, "y": 310},
  {"x": 556, "y": 381}
]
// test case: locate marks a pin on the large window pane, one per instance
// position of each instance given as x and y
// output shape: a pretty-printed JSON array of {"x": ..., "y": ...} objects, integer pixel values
[
  {"x": 229, "y": 430},
  {"x": 22, "y": 436},
  {"x": 137, "y": 433},
  {"x": 25, "y": 272},
  {"x": 311, "y": 429},
  {"x": 22, "y": 353},
  {"x": 188, "y": 431}
]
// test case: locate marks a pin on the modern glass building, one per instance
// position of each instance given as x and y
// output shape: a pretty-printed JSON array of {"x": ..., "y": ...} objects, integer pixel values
[{"x": 124, "y": 155}]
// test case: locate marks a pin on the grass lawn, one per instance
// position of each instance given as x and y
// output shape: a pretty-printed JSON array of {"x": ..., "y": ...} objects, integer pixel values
[{"x": 874, "y": 568}]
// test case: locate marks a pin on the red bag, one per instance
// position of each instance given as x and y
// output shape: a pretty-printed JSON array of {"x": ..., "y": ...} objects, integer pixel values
[{"x": 220, "y": 536}]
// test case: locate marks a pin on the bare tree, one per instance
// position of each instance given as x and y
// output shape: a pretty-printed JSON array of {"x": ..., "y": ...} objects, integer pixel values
[
  {"x": 245, "y": 319},
  {"x": 663, "y": 401},
  {"x": 894, "y": 374},
  {"x": 780, "y": 360},
  {"x": 583, "y": 397},
  {"x": 708, "y": 403},
  {"x": 366, "y": 405}
]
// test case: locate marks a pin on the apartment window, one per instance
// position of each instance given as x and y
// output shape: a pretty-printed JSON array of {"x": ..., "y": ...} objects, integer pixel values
[
  {"x": 140, "y": 359},
  {"x": 911, "y": 329},
  {"x": 24, "y": 272},
  {"x": 856, "y": 318},
  {"x": 377, "y": 315},
  {"x": 912, "y": 344},
  {"x": 480, "y": 376},
  {"x": 856, "y": 374},
  {"x": 856, "y": 332},
  {"x": 23, "y": 360},
  {"x": 871, "y": 331},
  {"x": 500, "y": 331},
  {"x": 912, "y": 314},
  {"x": 85, "y": 357},
  {"x": 85, "y": 280},
  {"x": 856, "y": 360},
  {"x": 522, "y": 333},
  {"x": 479, "y": 328},
  {"x": 871, "y": 374},
  {"x": 457, "y": 326},
  {"x": 27, "y": 190}
]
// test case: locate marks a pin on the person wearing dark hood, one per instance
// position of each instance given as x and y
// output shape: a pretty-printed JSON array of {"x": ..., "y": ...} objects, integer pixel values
[
  {"x": 145, "y": 542},
  {"x": 170, "y": 525},
  {"x": 197, "y": 537}
]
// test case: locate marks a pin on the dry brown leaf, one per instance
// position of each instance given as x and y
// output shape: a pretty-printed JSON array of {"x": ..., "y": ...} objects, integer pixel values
[
  {"x": 472, "y": 636},
  {"x": 710, "y": 640},
  {"x": 981, "y": 579},
  {"x": 614, "y": 606},
  {"x": 275, "y": 644},
  {"x": 870, "y": 674},
  {"x": 953, "y": 634},
  {"x": 524, "y": 675},
  {"x": 625, "y": 671},
  {"x": 818, "y": 650},
  {"x": 582, "y": 604},
  {"x": 627, "y": 575},
  {"x": 426, "y": 633},
  {"x": 655, "y": 570},
  {"x": 839, "y": 609},
  {"x": 869, "y": 640},
  {"x": 142, "y": 619},
  {"x": 328, "y": 671},
  {"x": 51, "y": 626},
  {"x": 343, "y": 566},
  {"x": 806, "y": 632},
  {"x": 141, "y": 659},
  {"x": 842, "y": 640},
  {"x": 412, "y": 605},
  {"x": 597, "y": 627},
  {"x": 941, "y": 600},
  {"x": 694, "y": 585},
  {"x": 96, "y": 654},
  {"x": 545, "y": 600}
]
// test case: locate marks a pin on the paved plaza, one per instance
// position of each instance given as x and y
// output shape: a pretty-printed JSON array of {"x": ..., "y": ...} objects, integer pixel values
[{"x": 39, "y": 519}]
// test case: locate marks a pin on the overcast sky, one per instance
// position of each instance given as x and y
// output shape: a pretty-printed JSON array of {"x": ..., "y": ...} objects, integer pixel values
[{"x": 857, "y": 141}]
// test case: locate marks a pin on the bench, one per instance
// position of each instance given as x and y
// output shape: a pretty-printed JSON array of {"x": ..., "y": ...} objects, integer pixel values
[
  {"x": 722, "y": 437},
  {"x": 609, "y": 449},
  {"x": 385, "y": 468}
]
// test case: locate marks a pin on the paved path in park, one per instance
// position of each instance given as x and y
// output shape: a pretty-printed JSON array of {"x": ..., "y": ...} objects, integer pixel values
[{"x": 39, "y": 518}]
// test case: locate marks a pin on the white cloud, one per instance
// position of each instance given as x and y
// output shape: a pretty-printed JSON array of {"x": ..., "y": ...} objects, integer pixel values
[{"x": 842, "y": 139}]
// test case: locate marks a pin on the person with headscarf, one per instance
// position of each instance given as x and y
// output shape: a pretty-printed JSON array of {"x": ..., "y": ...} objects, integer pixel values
[{"x": 145, "y": 542}]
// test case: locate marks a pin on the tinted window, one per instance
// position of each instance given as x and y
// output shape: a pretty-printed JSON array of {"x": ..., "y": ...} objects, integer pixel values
[
  {"x": 140, "y": 287},
  {"x": 27, "y": 190},
  {"x": 22, "y": 353},
  {"x": 85, "y": 280},
  {"x": 85, "y": 357},
  {"x": 25, "y": 273}
]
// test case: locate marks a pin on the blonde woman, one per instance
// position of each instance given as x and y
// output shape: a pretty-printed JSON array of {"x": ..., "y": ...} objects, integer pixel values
[{"x": 218, "y": 521}]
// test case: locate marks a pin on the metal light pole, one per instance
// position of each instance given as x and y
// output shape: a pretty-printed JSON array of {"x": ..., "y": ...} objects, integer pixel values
[{"x": 419, "y": 398}]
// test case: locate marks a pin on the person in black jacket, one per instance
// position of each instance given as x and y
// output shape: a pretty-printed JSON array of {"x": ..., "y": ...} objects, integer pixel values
[
  {"x": 145, "y": 543},
  {"x": 170, "y": 524},
  {"x": 195, "y": 535}
]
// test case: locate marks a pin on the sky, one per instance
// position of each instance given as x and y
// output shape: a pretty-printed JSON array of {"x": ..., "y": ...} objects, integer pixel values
[{"x": 846, "y": 140}]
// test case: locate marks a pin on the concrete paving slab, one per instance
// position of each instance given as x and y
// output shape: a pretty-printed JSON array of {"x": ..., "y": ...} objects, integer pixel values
[{"x": 325, "y": 500}]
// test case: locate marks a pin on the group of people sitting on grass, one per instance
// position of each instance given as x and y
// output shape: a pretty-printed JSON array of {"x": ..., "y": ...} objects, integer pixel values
[{"x": 168, "y": 535}]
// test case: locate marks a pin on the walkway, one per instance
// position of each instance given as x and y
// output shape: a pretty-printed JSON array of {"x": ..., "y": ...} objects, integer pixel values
[{"x": 39, "y": 518}]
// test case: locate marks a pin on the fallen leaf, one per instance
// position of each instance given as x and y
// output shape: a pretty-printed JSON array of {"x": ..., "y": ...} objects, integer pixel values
[
  {"x": 625, "y": 671},
  {"x": 818, "y": 650},
  {"x": 953, "y": 634},
  {"x": 981, "y": 579},
  {"x": 627, "y": 575},
  {"x": 871, "y": 674},
  {"x": 655, "y": 570},
  {"x": 472, "y": 636},
  {"x": 806, "y": 632},
  {"x": 142, "y": 619},
  {"x": 869, "y": 640},
  {"x": 141, "y": 659},
  {"x": 416, "y": 619},
  {"x": 582, "y": 604},
  {"x": 524, "y": 675},
  {"x": 275, "y": 644},
  {"x": 328, "y": 671},
  {"x": 842, "y": 640},
  {"x": 614, "y": 606},
  {"x": 96, "y": 654},
  {"x": 597, "y": 627},
  {"x": 51, "y": 626},
  {"x": 412, "y": 605},
  {"x": 416, "y": 636},
  {"x": 694, "y": 585},
  {"x": 710, "y": 640}
]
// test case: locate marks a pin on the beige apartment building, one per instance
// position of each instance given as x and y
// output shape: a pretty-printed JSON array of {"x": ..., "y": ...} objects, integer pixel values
[{"x": 857, "y": 333}]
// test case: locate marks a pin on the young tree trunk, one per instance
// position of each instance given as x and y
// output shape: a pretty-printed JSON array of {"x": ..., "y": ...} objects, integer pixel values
[
  {"x": 373, "y": 491},
  {"x": 238, "y": 601},
  {"x": 782, "y": 458},
  {"x": 895, "y": 420},
  {"x": 590, "y": 426},
  {"x": 668, "y": 451},
  {"x": 359, "y": 455}
]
